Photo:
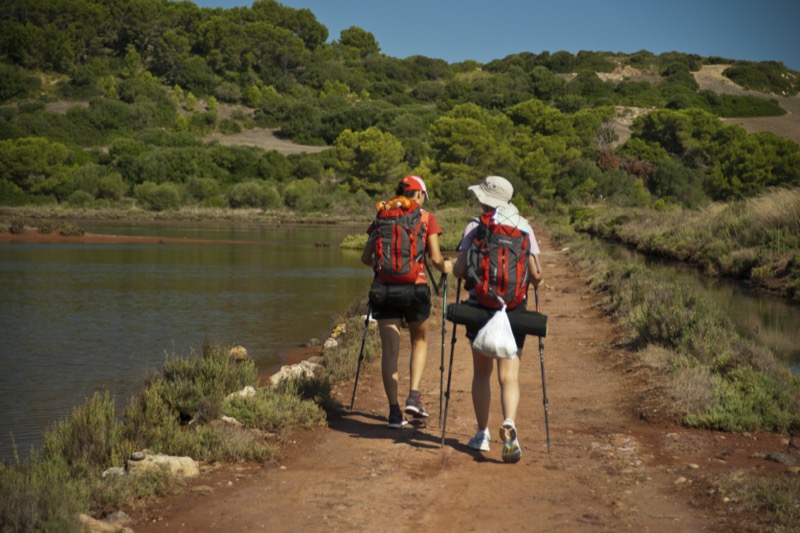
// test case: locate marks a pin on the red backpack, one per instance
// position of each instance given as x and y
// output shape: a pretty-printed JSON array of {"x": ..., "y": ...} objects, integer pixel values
[
  {"x": 400, "y": 243},
  {"x": 497, "y": 263}
]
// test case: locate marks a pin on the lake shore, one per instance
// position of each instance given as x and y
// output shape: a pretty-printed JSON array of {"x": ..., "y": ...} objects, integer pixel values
[{"x": 195, "y": 215}]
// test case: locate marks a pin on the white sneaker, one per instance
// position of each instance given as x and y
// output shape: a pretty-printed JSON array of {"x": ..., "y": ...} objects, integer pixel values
[
  {"x": 480, "y": 441},
  {"x": 512, "y": 453}
]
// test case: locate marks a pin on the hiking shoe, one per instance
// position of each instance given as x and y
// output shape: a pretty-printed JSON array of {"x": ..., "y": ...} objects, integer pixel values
[
  {"x": 511, "y": 450},
  {"x": 480, "y": 441},
  {"x": 396, "y": 419},
  {"x": 414, "y": 407}
]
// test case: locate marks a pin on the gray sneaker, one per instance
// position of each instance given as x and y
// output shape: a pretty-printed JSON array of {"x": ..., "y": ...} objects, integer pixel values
[
  {"x": 396, "y": 418},
  {"x": 512, "y": 453},
  {"x": 480, "y": 441},
  {"x": 414, "y": 407}
]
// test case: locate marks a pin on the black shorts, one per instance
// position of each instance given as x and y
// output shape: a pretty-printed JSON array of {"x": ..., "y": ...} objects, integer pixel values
[
  {"x": 519, "y": 338},
  {"x": 418, "y": 311}
]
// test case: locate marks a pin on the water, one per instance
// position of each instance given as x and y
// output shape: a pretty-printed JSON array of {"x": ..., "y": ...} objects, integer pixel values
[
  {"x": 767, "y": 319},
  {"x": 80, "y": 318}
]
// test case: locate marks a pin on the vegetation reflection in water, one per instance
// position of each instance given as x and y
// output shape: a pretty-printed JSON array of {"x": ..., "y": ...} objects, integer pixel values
[
  {"x": 770, "y": 320},
  {"x": 98, "y": 317}
]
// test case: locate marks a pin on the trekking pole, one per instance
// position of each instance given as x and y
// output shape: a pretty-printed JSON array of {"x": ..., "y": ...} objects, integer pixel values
[
  {"x": 361, "y": 354},
  {"x": 544, "y": 386},
  {"x": 430, "y": 275},
  {"x": 444, "y": 332},
  {"x": 450, "y": 370}
]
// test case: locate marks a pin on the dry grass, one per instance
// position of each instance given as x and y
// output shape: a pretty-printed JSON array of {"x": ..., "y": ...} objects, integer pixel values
[
  {"x": 266, "y": 139},
  {"x": 777, "y": 209},
  {"x": 692, "y": 389}
]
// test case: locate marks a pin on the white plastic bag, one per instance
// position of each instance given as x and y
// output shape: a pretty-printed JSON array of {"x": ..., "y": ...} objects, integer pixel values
[{"x": 495, "y": 338}]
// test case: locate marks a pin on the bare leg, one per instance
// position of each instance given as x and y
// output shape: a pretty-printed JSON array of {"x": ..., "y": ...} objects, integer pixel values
[
  {"x": 508, "y": 376},
  {"x": 419, "y": 352},
  {"x": 390, "y": 348},
  {"x": 482, "y": 367}
]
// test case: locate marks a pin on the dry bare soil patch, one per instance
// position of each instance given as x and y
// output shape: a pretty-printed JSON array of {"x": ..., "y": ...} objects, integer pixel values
[{"x": 710, "y": 77}]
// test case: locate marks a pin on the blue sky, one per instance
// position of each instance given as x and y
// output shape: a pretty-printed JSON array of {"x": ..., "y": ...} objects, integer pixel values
[{"x": 455, "y": 30}]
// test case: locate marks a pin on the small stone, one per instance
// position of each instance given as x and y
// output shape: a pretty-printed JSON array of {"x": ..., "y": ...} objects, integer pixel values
[
  {"x": 238, "y": 353},
  {"x": 693, "y": 466},
  {"x": 114, "y": 471},
  {"x": 330, "y": 343},
  {"x": 781, "y": 458},
  {"x": 681, "y": 480}
]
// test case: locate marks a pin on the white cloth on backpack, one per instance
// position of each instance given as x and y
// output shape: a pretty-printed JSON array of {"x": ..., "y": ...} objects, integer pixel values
[
  {"x": 496, "y": 338},
  {"x": 508, "y": 215}
]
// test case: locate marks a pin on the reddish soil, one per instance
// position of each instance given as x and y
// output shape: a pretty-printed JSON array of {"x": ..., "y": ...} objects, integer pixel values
[{"x": 614, "y": 463}]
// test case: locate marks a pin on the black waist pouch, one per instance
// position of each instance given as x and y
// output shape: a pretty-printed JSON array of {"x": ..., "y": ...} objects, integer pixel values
[{"x": 405, "y": 295}]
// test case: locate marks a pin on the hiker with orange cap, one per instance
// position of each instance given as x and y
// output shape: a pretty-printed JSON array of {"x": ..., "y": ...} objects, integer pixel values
[{"x": 398, "y": 239}]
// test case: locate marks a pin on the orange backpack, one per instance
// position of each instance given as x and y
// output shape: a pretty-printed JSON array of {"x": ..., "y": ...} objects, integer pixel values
[{"x": 400, "y": 243}]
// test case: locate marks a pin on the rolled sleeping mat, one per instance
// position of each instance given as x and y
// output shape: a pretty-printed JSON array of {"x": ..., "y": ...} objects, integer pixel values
[{"x": 528, "y": 322}]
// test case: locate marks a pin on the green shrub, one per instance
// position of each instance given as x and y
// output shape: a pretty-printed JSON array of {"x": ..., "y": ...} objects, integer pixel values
[
  {"x": 202, "y": 189},
  {"x": 68, "y": 229},
  {"x": 747, "y": 400},
  {"x": 768, "y": 76},
  {"x": 296, "y": 190},
  {"x": 90, "y": 440},
  {"x": 16, "y": 82},
  {"x": 228, "y": 442},
  {"x": 11, "y": 194},
  {"x": 161, "y": 197},
  {"x": 80, "y": 199},
  {"x": 216, "y": 202},
  {"x": 354, "y": 241},
  {"x": 46, "y": 227},
  {"x": 764, "y": 503},
  {"x": 229, "y": 127},
  {"x": 111, "y": 187},
  {"x": 317, "y": 203},
  {"x": 195, "y": 388},
  {"x": 274, "y": 409},
  {"x": 341, "y": 361},
  {"x": 154, "y": 424},
  {"x": 254, "y": 194},
  {"x": 39, "y": 496},
  {"x": 115, "y": 492},
  {"x": 580, "y": 215},
  {"x": 751, "y": 389}
]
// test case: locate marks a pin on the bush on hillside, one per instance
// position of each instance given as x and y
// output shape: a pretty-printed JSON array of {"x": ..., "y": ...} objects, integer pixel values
[{"x": 767, "y": 76}]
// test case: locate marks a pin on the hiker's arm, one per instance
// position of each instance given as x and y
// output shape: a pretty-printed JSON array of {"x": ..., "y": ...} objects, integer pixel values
[
  {"x": 460, "y": 268},
  {"x": 368, "y": 252},
  {"x": 438, "y": 261},
  {"x": 535, "y": 269}
]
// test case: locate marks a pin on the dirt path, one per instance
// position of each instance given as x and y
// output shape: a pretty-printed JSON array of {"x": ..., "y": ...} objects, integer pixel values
[{"x": 613, "y": 466}]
